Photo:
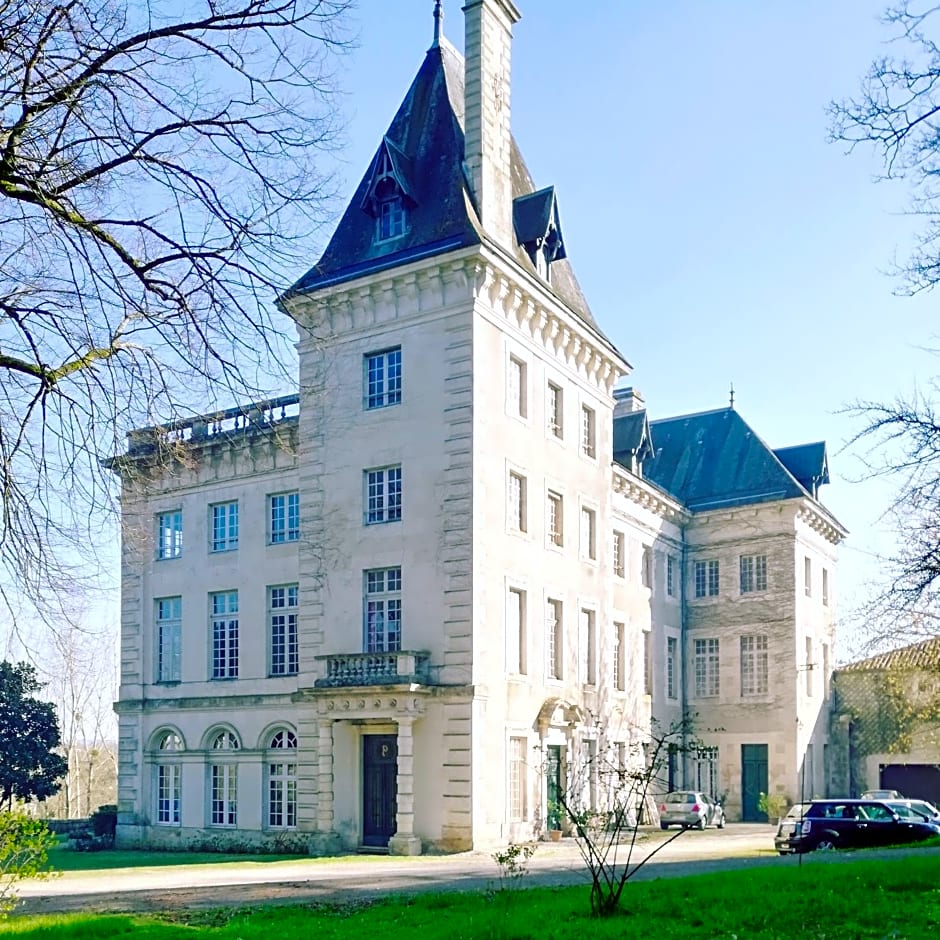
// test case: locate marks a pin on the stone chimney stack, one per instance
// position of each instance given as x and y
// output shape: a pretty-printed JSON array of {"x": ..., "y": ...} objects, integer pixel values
[
  {"x": 628, "y": 400},
  {"x": 487, "y": 46}
]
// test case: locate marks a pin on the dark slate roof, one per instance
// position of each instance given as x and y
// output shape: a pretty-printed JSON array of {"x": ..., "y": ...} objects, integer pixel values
[
  {"x": 807, "y": 462},
  {"x": 632, "y": 437},
  {"x": 713, "y": 459},
  {"x": 426, "y": 140},
  {"x": 924, "y": 655},
  {"x": 533, "y": 215}
]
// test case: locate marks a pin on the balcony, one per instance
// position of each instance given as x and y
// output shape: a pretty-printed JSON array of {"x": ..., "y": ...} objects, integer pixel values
[{"x": 403, "y": 667}]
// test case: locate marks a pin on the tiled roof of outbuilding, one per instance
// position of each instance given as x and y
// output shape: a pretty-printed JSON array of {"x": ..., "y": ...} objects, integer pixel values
[{"x": 922, "y": 656}]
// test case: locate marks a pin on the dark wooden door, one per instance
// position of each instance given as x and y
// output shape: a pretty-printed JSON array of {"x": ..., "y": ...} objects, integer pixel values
[
  {"x": 753, "y": 781},
  {"x": 379, "y": 788}
]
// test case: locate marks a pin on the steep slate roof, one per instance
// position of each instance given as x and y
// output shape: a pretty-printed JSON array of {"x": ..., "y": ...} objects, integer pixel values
[
  {"x": 427, "y": 134},
  {"x": 713, "y": 459},
  {"x": 924, "y": 655},
  {"x": 807, "y": 462},
  {"x": 632, "y": 437}
]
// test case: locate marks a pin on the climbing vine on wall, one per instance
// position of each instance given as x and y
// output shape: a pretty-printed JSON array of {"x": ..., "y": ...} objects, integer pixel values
[{"x": 905, "y": 701}]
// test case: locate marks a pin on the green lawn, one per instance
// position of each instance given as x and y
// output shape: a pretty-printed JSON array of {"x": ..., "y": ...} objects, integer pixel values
[{"x": 883, "y": 900}]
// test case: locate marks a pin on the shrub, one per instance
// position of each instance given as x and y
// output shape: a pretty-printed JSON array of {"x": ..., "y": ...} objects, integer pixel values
[{"x": 24, "y": 848}]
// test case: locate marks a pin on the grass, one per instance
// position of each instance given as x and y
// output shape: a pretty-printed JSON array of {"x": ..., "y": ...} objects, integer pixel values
[
  {"x": 895, "y": 899},
  {"x": 65, "y": 858}
]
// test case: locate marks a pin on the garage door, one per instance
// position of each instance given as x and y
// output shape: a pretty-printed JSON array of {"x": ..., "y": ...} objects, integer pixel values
[{"x": 915, "y": 781}]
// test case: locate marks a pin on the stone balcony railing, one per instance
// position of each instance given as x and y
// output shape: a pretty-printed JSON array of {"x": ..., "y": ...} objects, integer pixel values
[{"x": 355, "y": 669}]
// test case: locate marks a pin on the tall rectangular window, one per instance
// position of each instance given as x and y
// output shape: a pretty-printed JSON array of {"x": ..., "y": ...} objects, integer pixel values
[
  {"x": 224, "y": 794},
  {"x": 810, "y": 666},
  {"x": 283, "y": 603},
  {"x": 282, "y": 795},
  {"x": 588, "y": 648},
  {"x": 555, "y": 519},
  {"x": 284, "y": 514},
  {"x": 706, "y": 668},
  {"x": 515, "y": 632},
  {"x": 825, "y": 587},
  {"x": 825, "y": 669},
  {"x": 554, "y": 640},
  {"x": 620, "y": 664},
  {"x": 647, "y": 662},
  {"x": 170, "y": 534},
  {"x": 588, "y": 432},
  {"x": 588, "y": 534},
  {"x": 383, "y": 495},
  {"x": 391, "y": 220},
  {"x": 705, "y": 770},
  {"x": 753, "y": 572},
  {"x": 646, "y": 567},
  {"x": 517, "y": 780},
  {"x": 224, "y": 624},
  {"x": 517, "y": 403},
  {"x": 383, "y": 378},
  {"x": 169, "y": 794},
  {"x": 808, "y": 576},
  {"x": 169, "y": 638},
  {"x": 225, "y": 526},
  {"x": 619, "y": 550},
  {"x": 671, "y": 575},
  {"x": 383, "y": 610},
  {"x": 516, "y": 503},
  {"x": 755, "y": 668},
  {"x": 672, "y": 661},
  {"x": 706, "y": 578},
  {"x": 555, "y": 411}
]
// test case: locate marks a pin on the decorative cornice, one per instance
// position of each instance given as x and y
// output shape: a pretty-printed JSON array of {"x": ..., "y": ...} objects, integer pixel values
[
  {"x": 644, "y": 494},
  {"x": 818, "y": 518}
]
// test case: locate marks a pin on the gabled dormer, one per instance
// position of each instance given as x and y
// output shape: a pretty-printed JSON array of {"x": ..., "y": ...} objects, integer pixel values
[
  {"x": 389, "y": 193},
  {"x": 537, "y": 225},
  {"x": 809, "y": 463},
  {"x": 633, "y": 443}
]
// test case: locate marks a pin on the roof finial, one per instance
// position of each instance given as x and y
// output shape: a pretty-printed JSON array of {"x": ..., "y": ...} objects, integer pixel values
[
  {"x": 438, "y": 23},
  {"x": 732, "y": 396}
]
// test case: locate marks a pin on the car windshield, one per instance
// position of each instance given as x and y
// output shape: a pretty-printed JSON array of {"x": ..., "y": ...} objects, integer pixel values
[
  {"x": 680, "y": 798},
  {"x": 798, "y": 810}
]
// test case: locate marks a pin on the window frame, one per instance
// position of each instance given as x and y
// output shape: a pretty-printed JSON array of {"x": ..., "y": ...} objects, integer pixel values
[
  {"x": 382, "y": 494},
  {"x": 671, "y": 567},
  {"x": 619, "y": 551},
  {"x": 385, "y": 391},
  {"x": 554, "y": 518},
  {"x": 619, "y": 676},
  {"x": 224, "y": 635},
  {"x": 517, "y": 782},
  {"x": 224, "y": 523},
  {"x": 517, "y": 387},
  {"x": 170, "y": 536},
  {"x": 554, "y": 625},
  {"x": 284, "y": 525},
  {"x": 515, "y": 630},
  {"x": 588, "y": 444},
  {"x": 707, "y": 667},
  {"x": 706, "y": 578},
  {"x": 587, "y": 533},
  {"x": 752, "y": 573},
  {"x": 223, "y": 781},
  {"x": 554, "y": 411},
  {"x": 587, "y": 646},
  {"x": 755, "y": 664},
  {"x": 672, "y": 661},
  {"x": 382, "y": 607},
  {"x": 164, "y": 628},
  {"x": 285, "y": 647},
  {"x": 516, "y": 502},
  {"x": 281, "y": 782}
]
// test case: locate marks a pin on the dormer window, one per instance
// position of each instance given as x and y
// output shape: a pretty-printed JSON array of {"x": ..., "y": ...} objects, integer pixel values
[
  {"x": 388, "y": 197},
  {"x": 538, "y": 229}
]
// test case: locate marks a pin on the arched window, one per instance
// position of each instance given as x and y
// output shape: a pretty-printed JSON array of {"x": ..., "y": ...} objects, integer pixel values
[
  {"x": 223, "y": 781},
  {"x": 169, "y": 784},
  {"x": 282, "y": 781}
]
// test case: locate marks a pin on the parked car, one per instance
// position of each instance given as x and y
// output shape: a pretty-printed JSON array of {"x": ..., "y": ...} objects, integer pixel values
[
  {"x": 916, "y": 809},
  {"x": 882, "y": 795},
  {"x": 835, "y": 824},
  {"x": 690, "y": 809}
]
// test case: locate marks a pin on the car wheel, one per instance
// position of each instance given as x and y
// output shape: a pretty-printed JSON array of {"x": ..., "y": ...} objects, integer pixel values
[
  {"x": 826, "y": 844},
  {"x": 721, "y": 821},
  {"x": 703, "y": 822},
  {"x": 663, "y": 825}
]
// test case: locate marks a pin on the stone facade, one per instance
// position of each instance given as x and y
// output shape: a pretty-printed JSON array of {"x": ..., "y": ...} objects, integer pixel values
[{"x": 398, "y": 608}]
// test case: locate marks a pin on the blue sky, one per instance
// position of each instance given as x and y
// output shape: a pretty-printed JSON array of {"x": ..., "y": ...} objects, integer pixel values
[{"x": 716, "y": 233}]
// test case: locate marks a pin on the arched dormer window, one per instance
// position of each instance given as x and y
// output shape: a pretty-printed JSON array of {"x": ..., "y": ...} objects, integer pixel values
[{"x": 388, "y": 195}]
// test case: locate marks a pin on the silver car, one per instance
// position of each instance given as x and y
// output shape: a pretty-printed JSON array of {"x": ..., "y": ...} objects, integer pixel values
[{"x": 690, "y": 809}]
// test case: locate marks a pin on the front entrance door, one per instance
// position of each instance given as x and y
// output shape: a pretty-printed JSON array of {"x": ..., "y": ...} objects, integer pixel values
[
  {"x": 753, "y": 781},
  {"x": 379, "y": 788}
]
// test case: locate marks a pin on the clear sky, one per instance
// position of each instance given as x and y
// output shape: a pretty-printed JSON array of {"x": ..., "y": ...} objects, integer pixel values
[{"x": 716, "y": 233}]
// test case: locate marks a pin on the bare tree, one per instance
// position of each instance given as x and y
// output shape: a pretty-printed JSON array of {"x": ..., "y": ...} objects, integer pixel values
[
  {"x": 897, "y": 113},
  {"x": 158, "y": 181},
  {"x": 904, "y": 444}
]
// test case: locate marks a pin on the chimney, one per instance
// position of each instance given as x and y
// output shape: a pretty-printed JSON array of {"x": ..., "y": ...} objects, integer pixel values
[
  {"x": 628, "y": 400},
  {"x": 488, "y": 45}
]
